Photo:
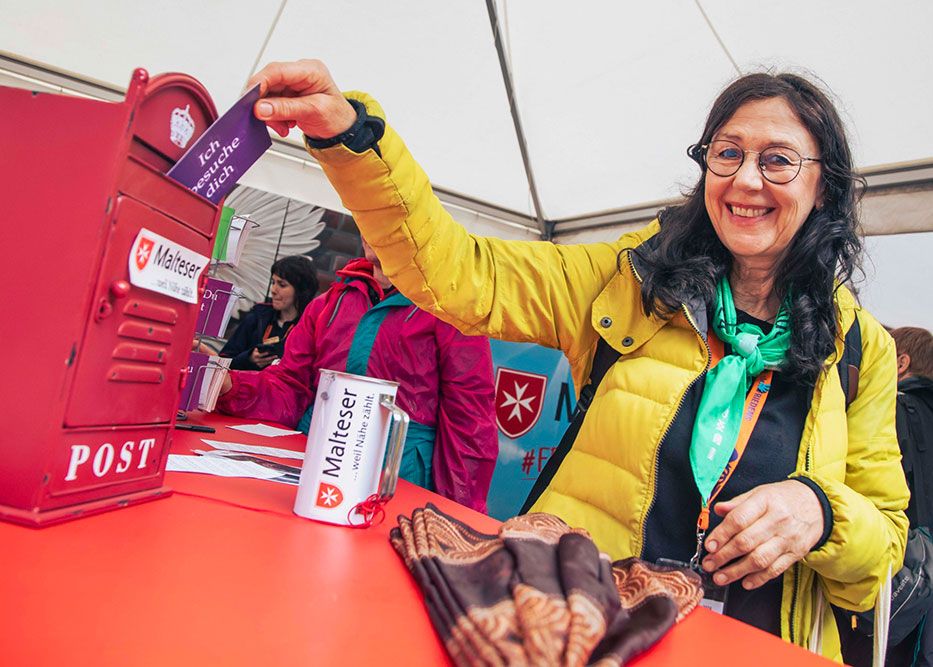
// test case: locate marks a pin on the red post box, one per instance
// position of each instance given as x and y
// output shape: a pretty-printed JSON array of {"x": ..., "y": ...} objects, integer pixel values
[{"x": 91, "y": 363}]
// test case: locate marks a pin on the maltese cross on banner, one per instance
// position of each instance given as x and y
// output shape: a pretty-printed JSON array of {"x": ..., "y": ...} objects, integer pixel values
[{"x": 519, "y": 399}]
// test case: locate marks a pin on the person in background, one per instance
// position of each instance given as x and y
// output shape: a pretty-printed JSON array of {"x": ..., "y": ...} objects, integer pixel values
[
  {"x": 915, "y": 436},
  {"x": 914, "y": 354},
  {"x": 748, "y": 272},
  {"x": 363, "y": 325},
  {"x": 915, "y": 418},
  {"x": 260, "y": 337}
]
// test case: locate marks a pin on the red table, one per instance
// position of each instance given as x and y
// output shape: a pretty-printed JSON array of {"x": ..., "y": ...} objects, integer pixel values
[{"x": 198, "y": 579}]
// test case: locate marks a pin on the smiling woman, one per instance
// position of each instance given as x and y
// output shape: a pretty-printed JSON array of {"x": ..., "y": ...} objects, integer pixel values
[
  {"x": 797, "y": 237},
  {"x": 755, "y": 218},
  {"x": 725, "y": 318}
]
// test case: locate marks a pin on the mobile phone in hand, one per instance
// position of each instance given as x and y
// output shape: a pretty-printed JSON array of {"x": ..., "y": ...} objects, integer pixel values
[{"x": 270, "y": 346}]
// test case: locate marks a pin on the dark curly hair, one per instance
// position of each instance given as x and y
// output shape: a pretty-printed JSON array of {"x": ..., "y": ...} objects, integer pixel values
[
  {"x": 687, "y": 258},
  {"x": 299, "y": 271}
]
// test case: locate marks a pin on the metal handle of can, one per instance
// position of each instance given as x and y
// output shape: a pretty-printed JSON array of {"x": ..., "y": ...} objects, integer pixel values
[{"x": 398, "y": 430}]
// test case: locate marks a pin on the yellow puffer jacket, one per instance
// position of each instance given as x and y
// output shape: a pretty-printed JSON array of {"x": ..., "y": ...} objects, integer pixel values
[{"x": 566, "y": 297}]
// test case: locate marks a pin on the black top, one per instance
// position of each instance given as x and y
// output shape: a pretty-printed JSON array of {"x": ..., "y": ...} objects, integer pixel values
[
  {"x": 251, "y": 332},
  {"x": 771, "y": 456}
]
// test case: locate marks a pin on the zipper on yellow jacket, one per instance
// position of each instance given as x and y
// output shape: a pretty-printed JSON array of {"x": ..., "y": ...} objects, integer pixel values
[{"x": 657, "y": 453}]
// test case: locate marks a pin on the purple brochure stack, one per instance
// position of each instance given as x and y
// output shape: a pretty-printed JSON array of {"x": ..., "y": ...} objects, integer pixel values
[
  {"x": 191, "y": 392},
  {"x": 216, "y": 308}
]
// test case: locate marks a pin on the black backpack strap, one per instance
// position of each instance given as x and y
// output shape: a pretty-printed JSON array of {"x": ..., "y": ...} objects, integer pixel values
[
  {"x": 603, "y": 360},
  {"x": 916, "y": 460},
  {"x": 850, "y": 362}
]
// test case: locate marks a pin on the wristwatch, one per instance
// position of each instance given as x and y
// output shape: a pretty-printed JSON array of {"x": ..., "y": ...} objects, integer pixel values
[{"x": 364, "y": 134}]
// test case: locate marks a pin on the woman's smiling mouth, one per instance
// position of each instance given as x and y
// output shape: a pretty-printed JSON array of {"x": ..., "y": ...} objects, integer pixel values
[{"x": 748, "y": 211}]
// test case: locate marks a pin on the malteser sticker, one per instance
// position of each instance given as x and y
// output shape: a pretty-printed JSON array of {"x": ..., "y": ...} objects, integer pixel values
[{"x": 162, "y": 265}]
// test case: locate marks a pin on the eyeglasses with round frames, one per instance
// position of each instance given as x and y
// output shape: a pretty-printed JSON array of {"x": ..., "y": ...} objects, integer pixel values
[{"x": 778, "y": 164}]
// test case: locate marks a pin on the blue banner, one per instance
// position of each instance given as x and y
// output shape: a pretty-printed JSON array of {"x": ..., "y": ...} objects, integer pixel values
[{"x": 534, "y": 402}]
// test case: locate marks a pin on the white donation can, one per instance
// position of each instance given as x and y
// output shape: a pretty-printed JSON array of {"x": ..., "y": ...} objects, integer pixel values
[{"x": 353, "y": 421}]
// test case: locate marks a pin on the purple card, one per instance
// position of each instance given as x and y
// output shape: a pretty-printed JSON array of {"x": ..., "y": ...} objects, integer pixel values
[
  {"x": 188, "y": 400},
  {"x": 216, "y": 308},
  {"x": 226, "y": 150}
]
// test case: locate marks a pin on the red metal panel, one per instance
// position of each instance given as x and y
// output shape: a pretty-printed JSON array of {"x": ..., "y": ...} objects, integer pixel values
[
  {"x": 169, "y": 97},
  {"x": 108, "y": 393},
  {"x": 85, "y": 348},
  {"x": 59, "y": 159},
  {"x": 149, "y": 186},
  {"x": 89, "y": 460},
  {"x": 132, "y": 351},
  {"x": 148, "y": 310},
  {"x": 131, "y": 373},
  {"x": 144, "y": 330}
]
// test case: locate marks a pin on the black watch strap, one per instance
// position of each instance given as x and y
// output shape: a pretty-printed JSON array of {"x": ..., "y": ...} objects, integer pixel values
[{"x": 364, "y": 134}]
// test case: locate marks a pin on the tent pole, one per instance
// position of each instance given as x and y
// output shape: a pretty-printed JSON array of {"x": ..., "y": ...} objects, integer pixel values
[
  {"x": 545, "y": 227},
  {"x": 278, "y": 244},
  {"x": 265, "y": 42}
]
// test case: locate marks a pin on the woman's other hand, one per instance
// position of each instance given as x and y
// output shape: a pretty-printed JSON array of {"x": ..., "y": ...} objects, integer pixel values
[
  {"x": 261, "y": 359},
  {"x": 301, "y": 93},
  {"x": 764, "y": 532}
]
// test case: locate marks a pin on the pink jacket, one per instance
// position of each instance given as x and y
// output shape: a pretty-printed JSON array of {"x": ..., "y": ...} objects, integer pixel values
[{"x": 445, "y": 378}]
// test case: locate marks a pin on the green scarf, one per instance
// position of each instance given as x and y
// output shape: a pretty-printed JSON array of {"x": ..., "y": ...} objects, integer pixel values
[{"x": 720, "y": 413}]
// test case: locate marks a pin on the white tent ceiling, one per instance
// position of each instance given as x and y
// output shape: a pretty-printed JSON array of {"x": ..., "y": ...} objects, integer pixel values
[{"x": 609, "y": 93}]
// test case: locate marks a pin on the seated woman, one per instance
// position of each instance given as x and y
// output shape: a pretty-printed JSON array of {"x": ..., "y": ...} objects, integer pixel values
[
  {"x": 260, "y": 338},
  {"x": 747, "y": 272}
]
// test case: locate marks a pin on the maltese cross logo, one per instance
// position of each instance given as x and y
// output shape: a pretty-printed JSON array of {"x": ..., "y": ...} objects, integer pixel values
[
  {"x": 519, "y": 399},
  {"x": 143, "y": 252},
  {"x": 328, "y": 495}
]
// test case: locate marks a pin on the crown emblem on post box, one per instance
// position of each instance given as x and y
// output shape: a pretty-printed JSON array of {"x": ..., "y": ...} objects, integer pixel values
[{"x": 182, "y": 126}]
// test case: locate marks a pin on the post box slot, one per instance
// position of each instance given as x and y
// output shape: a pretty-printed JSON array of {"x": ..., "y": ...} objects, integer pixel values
[
  {"x": 153, "y": 188},
  {"x": 145, "y": 153}
]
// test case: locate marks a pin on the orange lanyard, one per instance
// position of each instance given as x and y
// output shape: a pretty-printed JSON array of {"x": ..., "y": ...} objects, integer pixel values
[
  {"x": 754, "y": 404},
  {"x": 265, "y": 335}
]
